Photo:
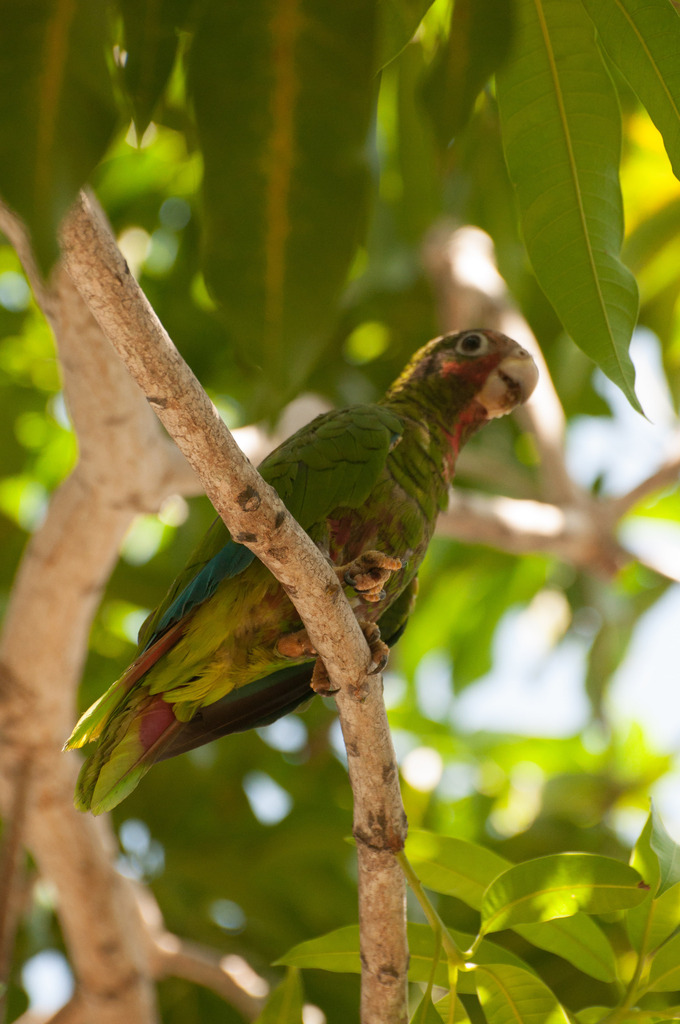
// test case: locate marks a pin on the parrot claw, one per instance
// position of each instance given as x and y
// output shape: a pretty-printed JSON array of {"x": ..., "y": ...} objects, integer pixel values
[
  {"x": 368, "y": 573},
  {"x": 321, "y": 682},
  {"x": 380, "y": 652}
]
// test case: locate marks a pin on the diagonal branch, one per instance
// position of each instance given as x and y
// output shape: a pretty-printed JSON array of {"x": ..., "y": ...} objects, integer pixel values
[{"x": 256, "y": 517}]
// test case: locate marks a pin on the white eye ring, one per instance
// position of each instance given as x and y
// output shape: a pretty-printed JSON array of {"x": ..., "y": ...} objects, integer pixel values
[{"x": 473, "y": 344}]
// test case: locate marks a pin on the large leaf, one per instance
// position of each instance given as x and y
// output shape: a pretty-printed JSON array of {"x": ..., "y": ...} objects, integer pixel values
[
  {"x": 643, "y": 38},
  {"x": 478, "y": 42},
  {"x": 559, "y": 886},
  {"x": 151, "y": 38},
  {"x": 56, "y": 108},
  {"x": 284, "y": 1005},
  {"x": 562, "y": 139},
  {"x": 510, "y": 995},
  {"x": 283, "y": 92}
]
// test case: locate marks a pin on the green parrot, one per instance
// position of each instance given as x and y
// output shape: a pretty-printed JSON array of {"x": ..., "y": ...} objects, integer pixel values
[{"x": 226, "y": 649}]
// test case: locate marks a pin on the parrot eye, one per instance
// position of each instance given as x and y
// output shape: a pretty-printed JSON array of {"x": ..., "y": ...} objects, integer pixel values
[{"x": 473, "y": 344}]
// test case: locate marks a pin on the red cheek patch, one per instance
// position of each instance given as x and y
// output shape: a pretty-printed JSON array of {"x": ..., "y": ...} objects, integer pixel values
[{"x": 476, "y": 370}]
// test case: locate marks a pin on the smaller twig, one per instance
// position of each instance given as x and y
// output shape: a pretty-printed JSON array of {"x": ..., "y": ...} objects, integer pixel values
[
  {"x": 667, "y": 475},
  {"x": 582, "y": 536},
  {"x": 228, "y": 976}
]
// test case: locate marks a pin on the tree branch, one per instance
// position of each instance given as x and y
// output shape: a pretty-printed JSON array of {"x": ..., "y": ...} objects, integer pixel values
[
  {"x": 55, "y": 594},
  {"x": 256, "y": 517}
]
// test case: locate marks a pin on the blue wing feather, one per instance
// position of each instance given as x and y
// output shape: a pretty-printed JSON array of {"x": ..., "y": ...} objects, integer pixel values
[{"x": 230, "y": 561}]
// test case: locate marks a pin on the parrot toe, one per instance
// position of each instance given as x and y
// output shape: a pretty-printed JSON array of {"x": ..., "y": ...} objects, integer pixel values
[
  {"x": 321, "y": 682},
  {"x": 296, "y": 645},
  {"x": 380, "y": 652},
  {"x": 368, "y": 574}
]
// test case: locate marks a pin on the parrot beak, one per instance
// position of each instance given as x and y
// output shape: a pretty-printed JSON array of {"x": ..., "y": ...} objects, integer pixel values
[{"x": 509, "y": 385}]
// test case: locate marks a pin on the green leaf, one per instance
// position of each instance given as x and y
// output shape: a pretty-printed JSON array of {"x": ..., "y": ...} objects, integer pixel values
[
  {"x": 664, "y": 974},
  {"x": 453, "y": 866},
  {"x": 562, "y": 139},
  {"x": 668, "y": 853},
  {"x": 399, "y": 20},
  {"x": 644, "y": 859},
  {"x": 284, "y": 1005},
  {"x": 576, "y": 939},
  {"x": 56, "y": 109},
  {"x": 642, "y": 37},
  {"x": 151, "y": 38},
  {"x": 478, "y": 43},
  {"x": 592, "y": 1014},
  {"x": 559, "y": 886},
  {"x": 657, "y": 857},
  {"x": 652, "y": 922},
  {"x": 510, "y": 995},
  {"x": 338, "y": 951},
  {"x": 284, "y": 97}
]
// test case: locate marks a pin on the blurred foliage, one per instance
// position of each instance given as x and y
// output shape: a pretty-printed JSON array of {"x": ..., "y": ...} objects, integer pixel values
[{"x": 274, "y": 211}]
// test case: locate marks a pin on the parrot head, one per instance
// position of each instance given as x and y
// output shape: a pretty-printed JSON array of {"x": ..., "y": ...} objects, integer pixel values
[{"x": 466, "y": 379}]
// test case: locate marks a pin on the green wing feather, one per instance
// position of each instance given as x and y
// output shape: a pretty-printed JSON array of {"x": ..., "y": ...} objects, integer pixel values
[{"x": 334, "y": 461}]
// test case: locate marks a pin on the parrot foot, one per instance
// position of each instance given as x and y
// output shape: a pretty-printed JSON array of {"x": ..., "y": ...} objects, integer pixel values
[
  {"x": 368, "y": 574},
  {"x": 296, "y": 645},
  {"x": 380, "y": 652},
  {"x": 321, "y": 682}
]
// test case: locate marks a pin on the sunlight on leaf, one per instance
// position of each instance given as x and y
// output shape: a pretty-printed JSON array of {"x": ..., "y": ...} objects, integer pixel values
[
  {"x": 643, "y": 39},
  {"x": 559, "y": 886},
  {"x": 556, "y": 97},
  {"x": 452, "y": 866},
  {"x": 510, "y": 995}
]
